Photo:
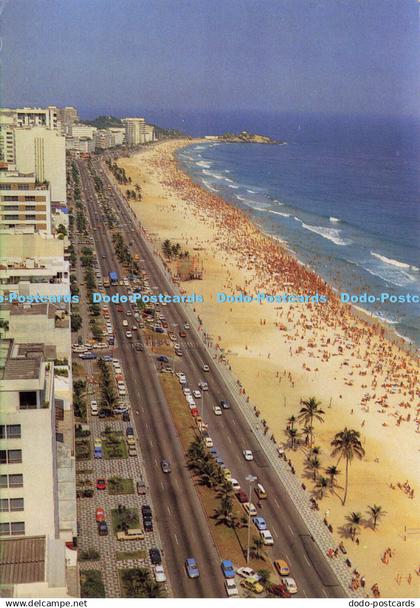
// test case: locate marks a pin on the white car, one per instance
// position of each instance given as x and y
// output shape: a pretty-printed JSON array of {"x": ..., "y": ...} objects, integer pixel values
[
  {"x": 266, "y": 537},
  {"x": 231, "y": 588},
  {"x": 290, "y": 584},
  {"x": 183, "y": 380},
  {"x": 186, "y": 390},
  {"x": 248, "y": 455},
  {"x": 160, "y": 575},
  {"x": 208, "y": 442},
  {"x": 217, "y": 410},
  {"x": 128, "y": 334},
  {"x": 204, "y": 386},
  {"x": 125, "y": 323},
  {"x": 250, "y": 508},
  {"x": 186, "y": 326},
  {"x": 235, "y": 484},
  {"x": 205, "y": 368},
  {"x": 247, "y": 572},
  {"x": 197, "y": 394}
]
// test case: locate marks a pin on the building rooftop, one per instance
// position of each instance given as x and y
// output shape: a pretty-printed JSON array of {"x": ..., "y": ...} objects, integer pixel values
[{"x": 22, "y": 560}]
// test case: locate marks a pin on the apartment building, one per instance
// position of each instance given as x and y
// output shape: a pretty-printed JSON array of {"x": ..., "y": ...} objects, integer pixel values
[
  {"x": 25, "y": 203},
  {"x": 137, "y": 131},
  {"x": 32, "y": 117},
  {"x": 42, "y": 151},
  {"x": 7, "y": 144},
  {"x": 68, "y": 116}
]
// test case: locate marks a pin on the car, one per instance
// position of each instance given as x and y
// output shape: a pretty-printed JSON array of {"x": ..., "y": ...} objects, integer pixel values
[
  {"x": 217, "y": 410},
  {"x": 165, "y": 465},
  {"x": 139, "y": 346},
  {"x": 126, "y": 417},
  {"x": 204, "y": 386},
  {"x": 250, "y": 508},
  {"x": 282, "y": 567},
  {"x": 267, "y": 537},
  {"x": 235, "y": 485},
  {"x": 260, "y": 523},
  {"x": 101, "y": 484},
  {"x": 208, "y": 442},
  {"x": 227, "y": 474},
  {"x": 125, "y": 323},
  {"x": 98, "y": 453},
  {"x": 225, "y": 404},
  {"x": 248, "y": 455},
  {"x": 186, "y": 390},
  {"x": 231, "y": 588},
  {"x": 183, "y": 381},
  {"x": 98, "y": 442},
  {"x": 172, "y": 337},
  {"x": 132, "y": 451},
  {"x": 155, "y": 556},
  {"x": 182, "y": 334},
  {"x": 197, "y": 394},
  {"x": 186, "y": 326},
  {"x": 191, "y": 567},
  {"x": 121, "y": 409},
  {"x": 205, "y": 368},
  {"x": 279, "y": 590},
  {"x": 87, "y": 356},
  {"x": 105, "y": 412},
  {"x": 252, "y": 585},
  {"x": 102, "y": 528},
  {"x": 128, "y": 334},
  {"x": 146, "y": 511},
  {"x": 159, "y": 572},
  {"x": 178, "y": 352},
  {"x": 290, "y": 584},
  {"x": 220, "y": 462},
  {"x": 147, "y": 524},
  {"x": 163, "y": 359},
  {"x": 100, "y": 514},
  {"x": 247, "y": 572},
  {"x": 141, "y": 487},
  {"x": 107, "y": 358},
  {"x": 227, "y": 568}
]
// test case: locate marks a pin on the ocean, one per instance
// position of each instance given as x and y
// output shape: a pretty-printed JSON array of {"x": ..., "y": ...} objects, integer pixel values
[{"x": 342, "y": 193}]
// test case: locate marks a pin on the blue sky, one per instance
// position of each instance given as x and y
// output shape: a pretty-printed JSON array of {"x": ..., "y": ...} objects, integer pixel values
[{"x": 121, "y": 56}]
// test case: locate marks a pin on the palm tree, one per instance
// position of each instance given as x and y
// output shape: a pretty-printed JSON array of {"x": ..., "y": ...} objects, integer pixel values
[
  {"x": 167, "y": 248},
  {"x": 257, "y": 550},
  {"x": 354, "y": 522},
  {"x": 314, "y": 465},
  {"x": 293, "y": 436},
  {"x": 306, "y": 432},
  {"x": 332, "y": 473},
  {"x": 225, "y": 489},
  {"x": 321, "y": 485},
  {"x": 265, "y": 577},
  {"x": 224, "y": 514},
  {"x": 376, "y": 512},
  {"x": 291, "y": 422},
  {"x": 347, "y": 444},
  {"x": 309, "y": 412}
]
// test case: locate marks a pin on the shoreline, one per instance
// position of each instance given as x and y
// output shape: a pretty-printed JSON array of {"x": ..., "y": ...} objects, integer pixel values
[
  {"x": 275, "y": 364},
  {"x": 361, "y": 313}
]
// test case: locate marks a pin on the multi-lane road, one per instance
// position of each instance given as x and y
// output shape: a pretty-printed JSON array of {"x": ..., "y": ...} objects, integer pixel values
[{"x": 182, "y": 525}]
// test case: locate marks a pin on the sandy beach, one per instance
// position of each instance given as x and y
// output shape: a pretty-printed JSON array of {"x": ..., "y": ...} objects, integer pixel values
[{"x": 282, "y": 353}]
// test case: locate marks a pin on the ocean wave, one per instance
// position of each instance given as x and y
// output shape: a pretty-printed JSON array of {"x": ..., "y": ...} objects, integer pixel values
[
  {"x": 204, "y": 164},
  {"x": 334, "y": 219},
  {"x": 210, "y": 187},
  {"x": 233, "y": 186},
  {"x": 215, "y": 175},
  {"x": 390, "y": 261},
  {"x": 278, "y": 213},
  {"x": 331, "y": 234},
  {"x": 228, "y": 180},
  {"x": 383, "y": 317},
  {"x": 395, "y": 276},
  {"x": 251, "y": 191},
  {"x": 199, "y": 148}
]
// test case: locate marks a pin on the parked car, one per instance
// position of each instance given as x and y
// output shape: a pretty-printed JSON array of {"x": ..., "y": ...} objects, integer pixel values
[
  {"x": 100, "y": 514},
  {"x": 139, "y": 346},
  {"x": 204, "y": 386},
  {"x": 247, "y": 572},
  {"x": 205, "y": 368},
  {"x": 290, "y": 584},
  {"x": 217, "y": 410},
  {"x": 101, "y": 484},
  {"x": 155, "y": 556},
  {"x": 141, "y": 487},
  {"x": 225, "y": 404},
  {"x": 121, "y": 409},
  {"x": 252, "y": 585},
  {"x": 163, "y": 359},
  {"x": 279, "y": 590},
  {"x": 131, "y": 534},
  {"x": 227, "y": 568},
  {"x": 159, "y": 572},
  {"x": 129, "y": 431},
  {"x": 260, "y": 523},
  {"x": 98, "y": 453},
  {"x": 231, "y": 588},
  {"x": 267, "y": 537},
  {"x": 126, "y": 417},
  {"x": 282, "y": 567},
  {"x": 250, "y": 508},
  {"x": 191, "y": 567},
  {"x": 102, "y": 528},
  {"x": 242, "y": 496},
  {"x": 235, "y": 485}
]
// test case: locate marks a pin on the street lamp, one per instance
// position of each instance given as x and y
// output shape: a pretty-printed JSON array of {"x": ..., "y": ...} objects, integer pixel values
[{"x": 250, "y": 479}]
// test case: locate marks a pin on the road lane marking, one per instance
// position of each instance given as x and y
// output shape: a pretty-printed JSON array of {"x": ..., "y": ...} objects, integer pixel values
[
  {"x": 151, "y": 443},
  {"x": 169, "y": 509},
  {"x": 304, "y": 592},
  {"x": 161, "y": 485},
  {"x": 307, "y": 561},
  {"x": 290, "y": 528},
  {"x": 228, "y": 438},
  {"x": 176, "y": 539},
  {"x": 274, "y": 532},
  {"x": 277, "y": 504},
  {"x": 324, "y": 592}
]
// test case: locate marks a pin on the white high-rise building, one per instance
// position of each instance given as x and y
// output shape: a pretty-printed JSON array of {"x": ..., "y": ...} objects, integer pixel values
[
  {"x": 42, "y": 151},
  {"x": 32, "y": 117},
  {"x": 137, "y": 131}
]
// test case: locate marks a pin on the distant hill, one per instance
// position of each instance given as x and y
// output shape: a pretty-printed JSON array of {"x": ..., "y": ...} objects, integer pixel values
[{"x": 106, "y": 122}]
